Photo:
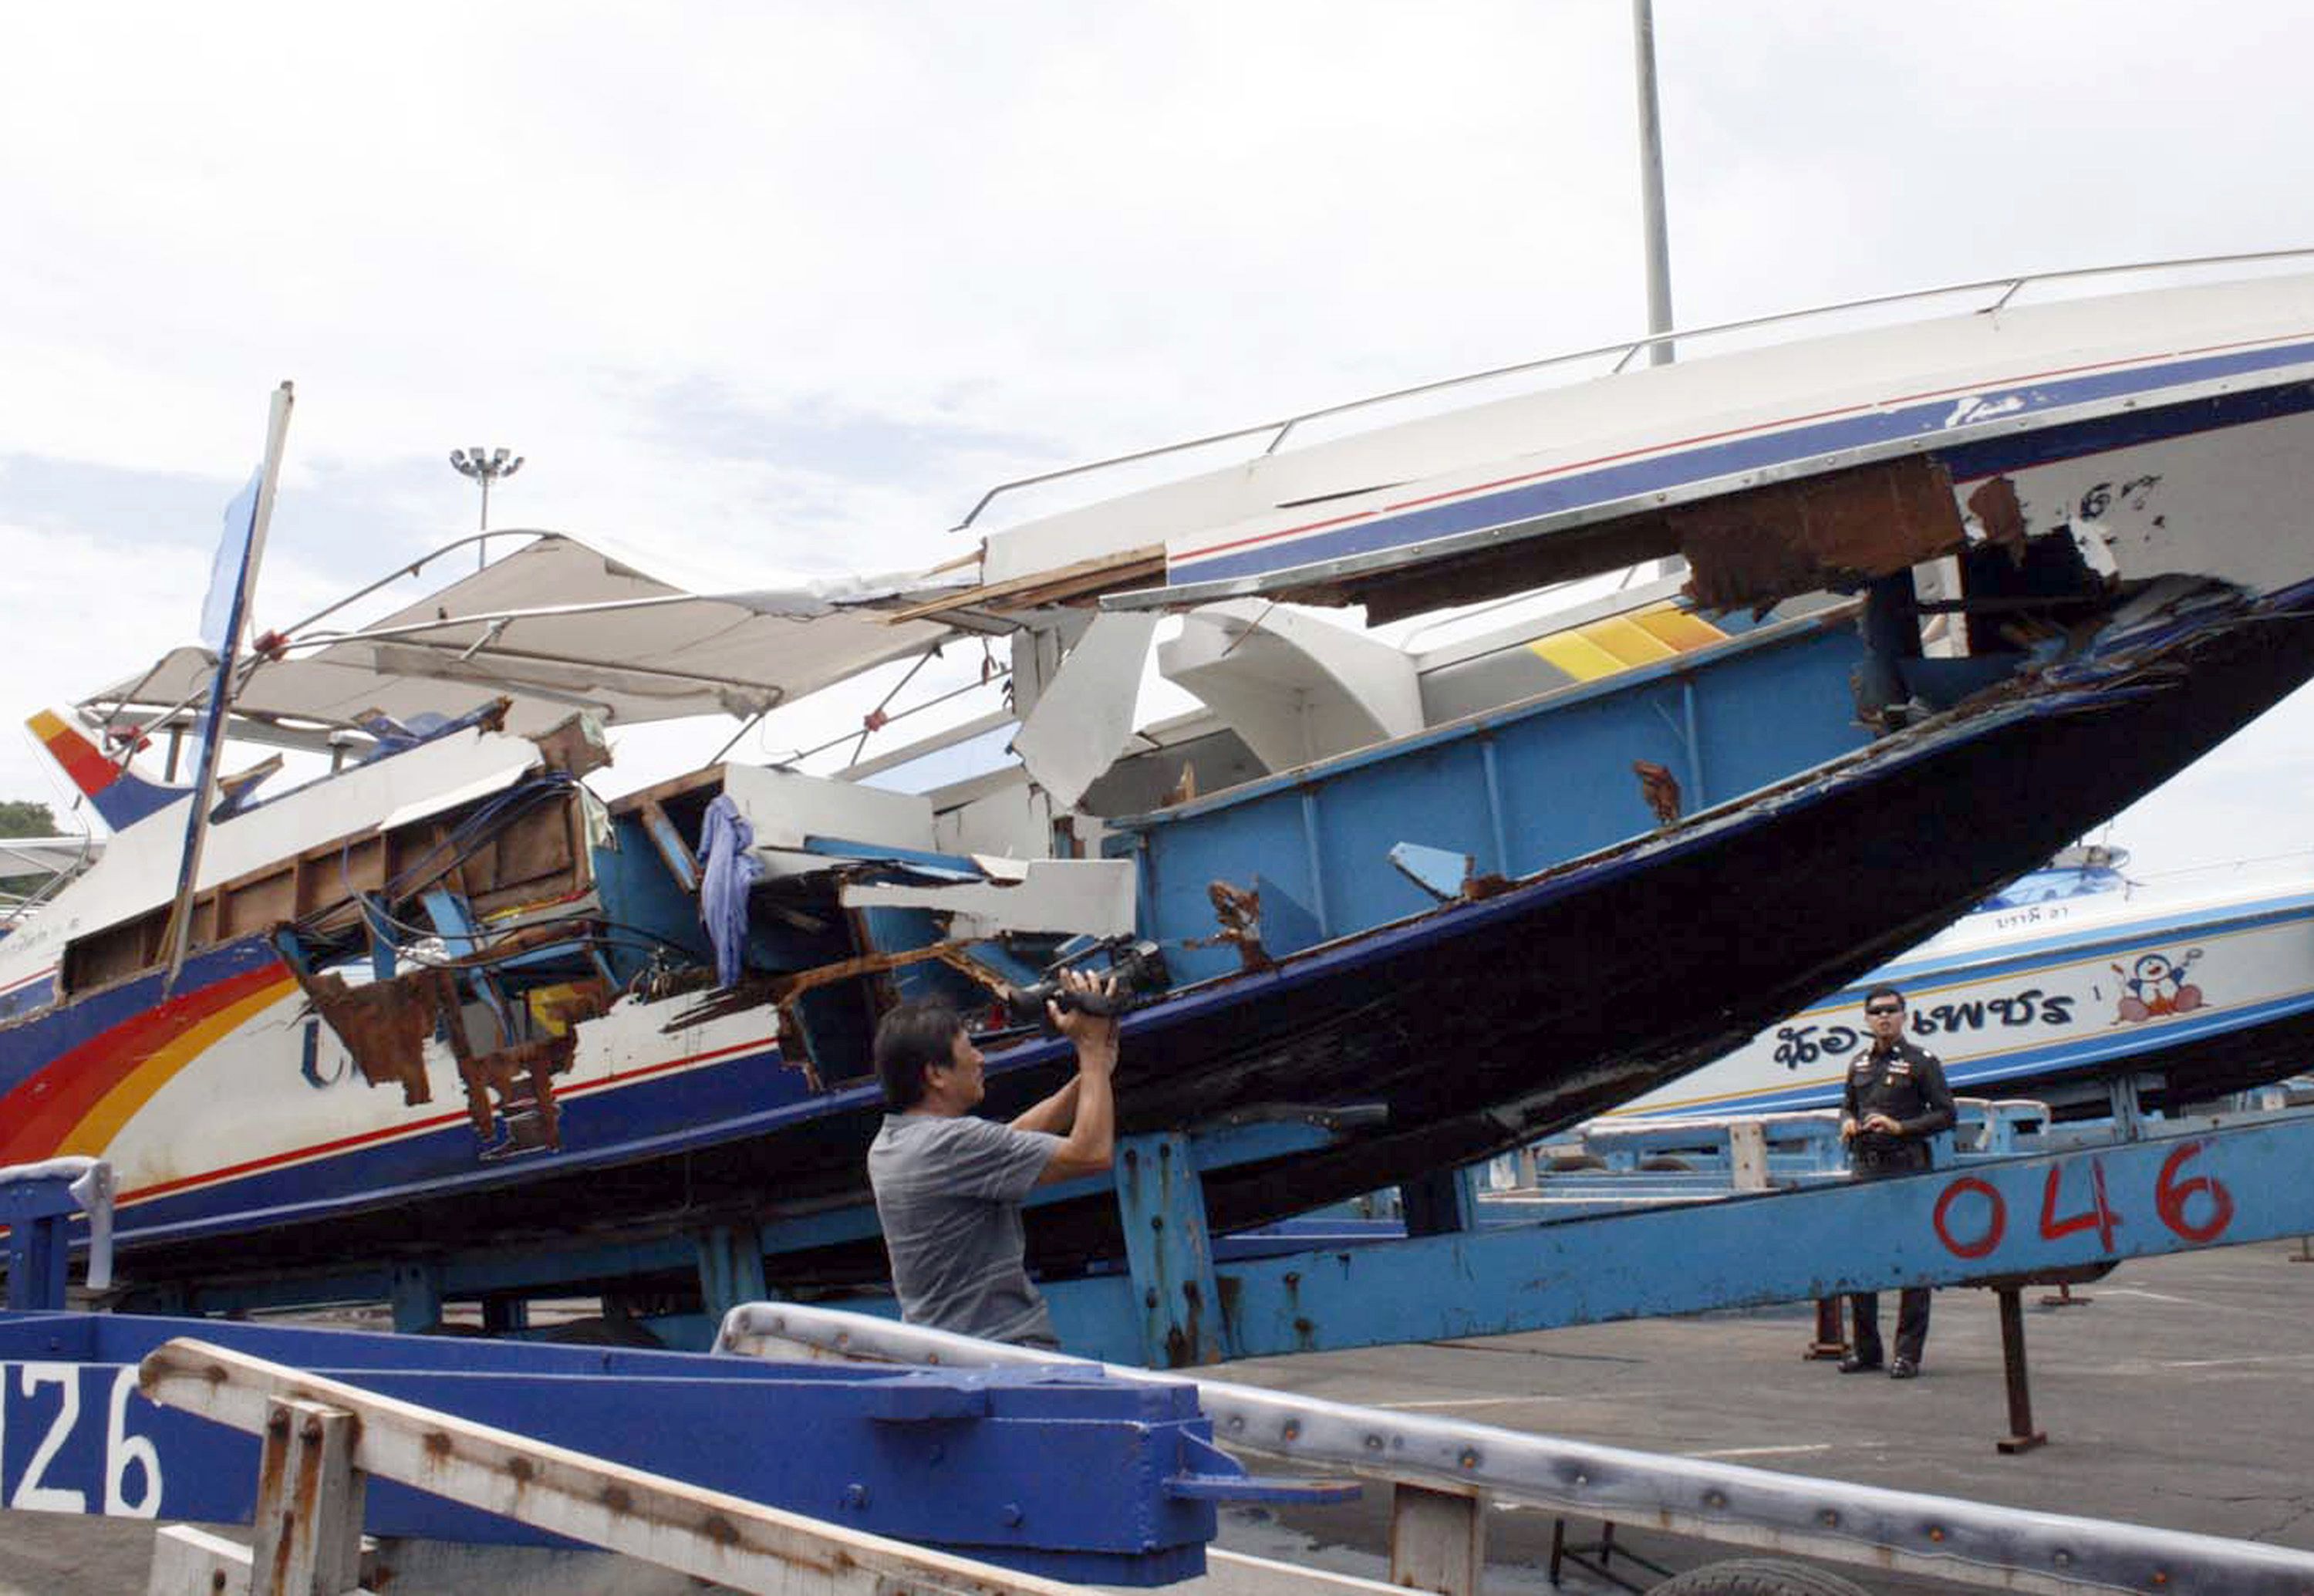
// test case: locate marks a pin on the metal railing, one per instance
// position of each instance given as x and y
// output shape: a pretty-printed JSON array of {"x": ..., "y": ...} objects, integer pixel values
[
  {"x": 1943, "y": 1537},
  {"x": 1624, "y": 351}
]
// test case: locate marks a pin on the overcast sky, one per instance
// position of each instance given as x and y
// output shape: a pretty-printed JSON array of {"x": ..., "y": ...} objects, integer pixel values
[{"x": 781, "y": 287}]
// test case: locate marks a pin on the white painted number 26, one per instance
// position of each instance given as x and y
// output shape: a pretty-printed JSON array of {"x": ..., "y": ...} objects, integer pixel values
[{"x": 125, "y": 1455}]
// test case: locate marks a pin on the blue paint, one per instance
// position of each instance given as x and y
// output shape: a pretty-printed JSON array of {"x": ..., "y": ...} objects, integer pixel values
[
  {"x": 1526, "y": 787},
  {"x": 1978, "y": 1218},
  {"x": 1682, "y": 468},
  {"x": 1168, "y": 1251},
  {"x": 1053, "y": 1472},
  {"x": 38, "y": 1215}
]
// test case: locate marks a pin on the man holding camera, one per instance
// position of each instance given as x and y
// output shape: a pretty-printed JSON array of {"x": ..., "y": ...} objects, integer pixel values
[
  {"x": 1895, "y": 1099},
  {"x": 950, "y": 1185}
]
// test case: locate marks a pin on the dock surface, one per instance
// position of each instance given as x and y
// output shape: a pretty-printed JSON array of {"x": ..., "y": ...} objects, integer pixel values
[{"x": 2175, "y": 1397}]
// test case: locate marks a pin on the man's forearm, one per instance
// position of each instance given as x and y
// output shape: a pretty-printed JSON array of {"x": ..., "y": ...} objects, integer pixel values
[
  {"x": 1092, "y": 1135},
  {"x": 1054, "y": 1113}
]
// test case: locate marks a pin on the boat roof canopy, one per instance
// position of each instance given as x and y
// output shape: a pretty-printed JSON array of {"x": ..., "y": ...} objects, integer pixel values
[{"x": 560, "y": 625}]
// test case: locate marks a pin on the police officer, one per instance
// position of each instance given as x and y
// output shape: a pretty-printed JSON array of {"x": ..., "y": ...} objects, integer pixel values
[{"x": 1895, "y": 1100}]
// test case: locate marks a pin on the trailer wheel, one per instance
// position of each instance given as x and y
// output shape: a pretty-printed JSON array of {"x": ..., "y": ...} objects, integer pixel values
[{"x": 1756, "y": 1576}]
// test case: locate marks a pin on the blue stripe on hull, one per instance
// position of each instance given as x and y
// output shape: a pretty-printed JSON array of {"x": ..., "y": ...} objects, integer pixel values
[
  {"x": 2082, "y": 1056},
  {"x": 1686, "y": 467},
  {"x": 28, "y": 1046},
  {"x": 748, "y": 1095}
]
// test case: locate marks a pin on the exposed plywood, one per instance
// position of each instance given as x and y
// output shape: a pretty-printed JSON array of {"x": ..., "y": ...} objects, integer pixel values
[
  {"x": 1745, "y": 550},
  {"x": 537, "y": 856},
  {"x": 1751, "y": 548},
  {"x": 1083, "y": 579}
]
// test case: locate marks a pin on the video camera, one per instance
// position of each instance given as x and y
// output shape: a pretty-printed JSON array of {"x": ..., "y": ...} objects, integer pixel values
[{"x": 1138, "y": 968}]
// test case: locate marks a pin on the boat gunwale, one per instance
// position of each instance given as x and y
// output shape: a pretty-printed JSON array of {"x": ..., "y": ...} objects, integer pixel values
[{"x": 1628, "y": 348}]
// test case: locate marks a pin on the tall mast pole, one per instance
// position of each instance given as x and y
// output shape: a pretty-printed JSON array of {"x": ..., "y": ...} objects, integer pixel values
[
  {"x": 1651, "y": 182},
  {"x": 233, "y": 590}
]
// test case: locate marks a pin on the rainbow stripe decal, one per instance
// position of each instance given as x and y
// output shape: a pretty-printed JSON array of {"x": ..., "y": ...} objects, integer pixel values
[
  {"x": 80, "y": 1101},
  {"x": 78, "y": 758}
]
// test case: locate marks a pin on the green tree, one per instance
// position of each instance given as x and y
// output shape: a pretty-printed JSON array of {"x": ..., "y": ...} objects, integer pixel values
[{"x": 21, "y": 817}]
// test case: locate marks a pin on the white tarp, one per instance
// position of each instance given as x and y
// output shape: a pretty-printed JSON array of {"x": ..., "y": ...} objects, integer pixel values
[{"x": 558, "y": 625}]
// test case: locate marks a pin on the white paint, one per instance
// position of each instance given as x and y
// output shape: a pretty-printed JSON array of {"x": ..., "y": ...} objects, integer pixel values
[
  {"x": 125, "y": 1453},
  {"x": 1653, "y": 409},
  {"x": 1091, "y": 897},
  {"x": 1297, "y": 689},
  {"x": 138, "y": 871},
  {"x": 246, "y": 1093},
  {"x": 2079, "y": 997},
  {"x": 785, "y": 808},
  {"x": 33, "y": 1494},
  {"x": 1083, "y": 718},
  {"x": 2229, "y": 504}
]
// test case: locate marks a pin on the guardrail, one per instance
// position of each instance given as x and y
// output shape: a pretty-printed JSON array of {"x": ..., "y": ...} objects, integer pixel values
[
  {"x": 2004, "y": 289},
  {"x": 1445, "y": 1470}
]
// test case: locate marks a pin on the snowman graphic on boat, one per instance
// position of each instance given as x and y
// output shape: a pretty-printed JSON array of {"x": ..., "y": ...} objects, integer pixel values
[{"x": 2156, "y": 985}]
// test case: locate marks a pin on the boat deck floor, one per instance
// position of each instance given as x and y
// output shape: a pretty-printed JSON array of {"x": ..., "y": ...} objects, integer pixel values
[{"x": 2172, "y": 1398}]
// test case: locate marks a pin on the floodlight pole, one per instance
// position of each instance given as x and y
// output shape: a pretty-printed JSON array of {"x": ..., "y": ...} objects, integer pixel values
[
  {"x": 1651, "y": 182},
  {"x": 484, "y": 466}
]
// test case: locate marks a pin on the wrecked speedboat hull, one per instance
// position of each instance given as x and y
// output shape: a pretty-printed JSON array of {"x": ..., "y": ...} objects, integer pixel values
[
  {"x": 1432, "y": 1041},
  {"x": 450, "y": 1003}
]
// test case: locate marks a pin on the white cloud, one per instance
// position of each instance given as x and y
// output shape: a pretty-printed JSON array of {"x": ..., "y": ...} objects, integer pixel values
[{"x": 782, "y": 286}]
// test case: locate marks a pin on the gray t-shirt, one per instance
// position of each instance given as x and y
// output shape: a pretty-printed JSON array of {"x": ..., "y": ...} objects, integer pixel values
[{"x": 949, "y": 1195}]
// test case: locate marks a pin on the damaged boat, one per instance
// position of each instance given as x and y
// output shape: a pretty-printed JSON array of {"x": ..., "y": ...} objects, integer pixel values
[{"x": 1940, "y": 597}]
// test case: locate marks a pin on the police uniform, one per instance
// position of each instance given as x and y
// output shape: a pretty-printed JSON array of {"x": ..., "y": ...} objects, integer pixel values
[{"x": 1907, "y": 1084}]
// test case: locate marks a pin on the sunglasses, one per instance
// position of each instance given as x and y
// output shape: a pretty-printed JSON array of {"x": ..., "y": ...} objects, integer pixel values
[{"x": 1882, "y": 1008}]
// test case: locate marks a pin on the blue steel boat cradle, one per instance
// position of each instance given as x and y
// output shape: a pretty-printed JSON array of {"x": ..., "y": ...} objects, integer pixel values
[{"x": 989, "y": 1464}]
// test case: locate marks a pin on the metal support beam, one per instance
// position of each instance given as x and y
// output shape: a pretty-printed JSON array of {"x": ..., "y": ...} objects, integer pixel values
[
  {"x": 1651, "y": 181},
  {"x": 2022, "y": 1436},
  {"x": 37, "y": 1204},
  {"x": 37, "y": 1260},
  {"x": 730, "y": 1267},
  {"x": 189, "y": 1562},
  {"x": 417, "y": 1297},
  {"x": 1442, "y": 1202},
  {"x": 2022, "y": 1216},
  {"x": 1169, "y": 1251},
  {"x": 1437, "y": 1539},
  {"x": 1831, "y": 1331}
]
